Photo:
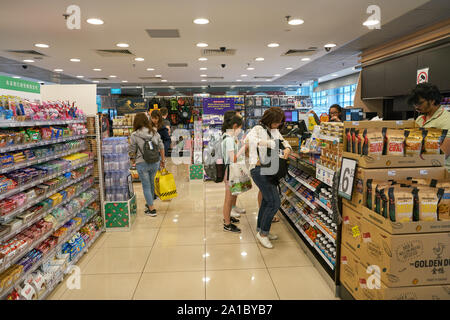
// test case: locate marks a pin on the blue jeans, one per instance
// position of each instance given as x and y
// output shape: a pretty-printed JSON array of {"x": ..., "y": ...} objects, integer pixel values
[
  {"x": 270, "y": 201},
  {"x": 147, "y": 174}
]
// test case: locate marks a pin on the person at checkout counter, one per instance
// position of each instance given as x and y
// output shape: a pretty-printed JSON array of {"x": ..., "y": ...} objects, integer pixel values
[
  {"x": 426, "y": 99},
  {"x": 334, "y": 115}
]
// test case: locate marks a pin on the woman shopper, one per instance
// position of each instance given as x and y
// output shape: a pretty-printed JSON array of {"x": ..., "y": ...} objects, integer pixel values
[
  {"x": 158, "y": 121},
  {"x": 258, "y": 141},
  {"x": 230, "y": 129},
  {"x": 164, "y": 132},
  {"x": 148, "y": 149}
]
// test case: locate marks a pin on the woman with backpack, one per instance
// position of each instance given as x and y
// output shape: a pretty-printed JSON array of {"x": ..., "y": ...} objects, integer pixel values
[
  {"x": 260, "y": 140},
  {"x": 148, "y": 149},
  {"x": 158, "y": 121},
  {"x": 231, "y": 128}
]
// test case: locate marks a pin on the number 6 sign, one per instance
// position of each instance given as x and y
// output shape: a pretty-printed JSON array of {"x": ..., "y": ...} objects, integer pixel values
[{"x": 347, "y": 177}]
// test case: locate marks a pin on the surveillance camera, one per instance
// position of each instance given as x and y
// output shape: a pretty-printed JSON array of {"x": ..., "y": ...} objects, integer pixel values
[
  {"x": 223, "y": 49},
  {"x": 24, "y": 66},
  {"x": 327, "y": 49},
  {"x": 223, "y": 65}
]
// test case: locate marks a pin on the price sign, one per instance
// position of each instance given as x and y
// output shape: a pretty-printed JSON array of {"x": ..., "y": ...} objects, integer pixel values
[{"x": 347, "y": 177}]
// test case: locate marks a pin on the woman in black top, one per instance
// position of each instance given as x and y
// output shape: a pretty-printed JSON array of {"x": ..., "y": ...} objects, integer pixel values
[{"x": 163, "y": 131}]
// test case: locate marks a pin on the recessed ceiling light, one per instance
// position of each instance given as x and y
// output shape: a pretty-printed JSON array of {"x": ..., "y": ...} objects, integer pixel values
[
  {"x": 238, "y": 80},
  {"x": 94, "y": 21},
  {"x": 202, "y": 45},
  {"x": 16, "y": 77},
  {"x": 273, "y": 45},
  {"x": 80, "y": 76},
  {"x": 306, "y": 59},
  {"x": 288, "y": 68},
  {"x": 139, "y": 59},
  {"x": 75, "y": 60},
  {"x": 250, "y": 68},
  {"x": 112, "y": 76},
  {"x": 334, "y": 75},
  {"x": 95, "y": 81},
  {"x": 277, "y": 75},
  {"x": 203, "y": 69},
  {"x": 150, "y": 69},
  {"x": 204, "y": 80},
  {"x": 201, "y": 21},
  {"x": 41, "y": 45},
  {"x": 268, "y": 80},
  {"x": 123, "y": 45},
  {"x": 58, "y": 70},
  {"x": 330, "y": 45},
  {"x": 163, "y": 80},
  {"x": 158, "y": 76},
  {"x": 296, "y": 22},
  {"x": 124, "y": 81},
  {"x": 243, "y": 75},
  {"x": 371, "y": 22},
  {"x": 28, "y": 60},
  {"x": 202, "y": 59},
  {"x": 97, "y": 69},
  {"x": 203, "y": 75},
  {"x": 259, "y": 59}
]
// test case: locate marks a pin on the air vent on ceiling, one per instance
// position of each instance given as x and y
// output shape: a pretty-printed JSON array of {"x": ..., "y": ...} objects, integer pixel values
[
  {"x": 163, "y": 33},
  {"x": 150, "y": 78},
  {"x": 114, "y": 53},
  {"x": 262, "y": 77},
  {"x": 214, "y": 78},
  {"x": 218, "y": 52},
  {"x": 177, "y": 65},
  {"x": 299, "y": 52},
  {"x": 26, "y": 53},
  {"x": 98, "y": 79}
]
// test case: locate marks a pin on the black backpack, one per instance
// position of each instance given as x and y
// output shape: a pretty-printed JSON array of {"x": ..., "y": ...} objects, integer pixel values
[
  {"x": 151, "y": 151},
  {"x": 282, "y": 164}
]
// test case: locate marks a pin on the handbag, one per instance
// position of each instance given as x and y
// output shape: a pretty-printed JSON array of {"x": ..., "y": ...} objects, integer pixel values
[
  {"x": 239, "y": 178},
  {"x": 282, "y": 164},
  {"x": 165, "y": 187}
]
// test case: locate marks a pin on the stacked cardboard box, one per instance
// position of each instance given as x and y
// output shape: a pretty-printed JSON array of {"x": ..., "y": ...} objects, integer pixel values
[{"x": 91, "y": 125}]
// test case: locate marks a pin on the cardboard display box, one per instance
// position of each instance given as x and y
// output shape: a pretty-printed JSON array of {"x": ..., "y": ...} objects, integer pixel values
[
  {"x": 362, "y": 175},
  {"x": 404, "y": 259},
  {"x": 425, "y": 160},
  {"x": 359, "y": 281}
]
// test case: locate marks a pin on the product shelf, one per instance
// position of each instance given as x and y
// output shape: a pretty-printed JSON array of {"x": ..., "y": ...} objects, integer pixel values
[
  {"x": 302, "y": 181},
  {"x": 40, "y": 160},
  {"x": 39, "y": 144},
  {"x": 35, "y": 123},
  {"x": 16, "y": 212},
  {"x": 311, "y": 205},
  {"x": 325, "y": 174},
  {"x": 42, "y": 215},
  {"x": 42, "y": 239},
  {"x": 42, "y": 180},
  {"x": 320, "y": 203},
  {"x": 330, "y": 138}
]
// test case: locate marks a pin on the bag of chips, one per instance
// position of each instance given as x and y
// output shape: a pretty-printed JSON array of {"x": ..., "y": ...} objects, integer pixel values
[
  {"x": 413, "y": 141},
  {"x": 444, "y": 204},
  {"x": 394, "y": 142},
  {"x": 373, "y": 142},
  {"x": 381, "y": 198},
  {"x": 433, "y": 140},
  {"x": 401, "y": 203},
  {"x": 426, "y": 201},
  {"x": 348, "y": 135}
]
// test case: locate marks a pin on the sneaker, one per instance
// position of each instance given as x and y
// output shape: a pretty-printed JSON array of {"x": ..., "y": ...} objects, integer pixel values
[
  {"x": 265, "y": 242},
  {"x": 233, "y": 220},
  {"x": 239, "y": 210},
  {"x": 151, "y": 213},
  {"x": 235, "y": 214},
  {"x": 231, "y": 228},
  {"x": 272, "y": 236}
]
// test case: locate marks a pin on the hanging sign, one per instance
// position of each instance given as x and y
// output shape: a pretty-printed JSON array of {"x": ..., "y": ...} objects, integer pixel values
[
  {"x": 347, "y": 177},
  {"x": 422, "y": 75},
  {"x": 131, "y": 105},
  {"x": 19, "y": 85},
  {"x": 217, "y": 105}
]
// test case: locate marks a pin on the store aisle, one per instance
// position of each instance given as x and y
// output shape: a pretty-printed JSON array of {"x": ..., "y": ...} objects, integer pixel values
[{"x": 184, "y": 253}]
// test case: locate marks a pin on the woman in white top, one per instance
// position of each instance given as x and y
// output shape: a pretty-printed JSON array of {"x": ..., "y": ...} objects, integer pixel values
[{"x": 259, "y": 141}]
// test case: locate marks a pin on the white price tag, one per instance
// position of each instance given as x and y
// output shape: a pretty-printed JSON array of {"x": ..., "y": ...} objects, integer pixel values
[
  {"x": 348, "y": 169},
  {"x": 423, "y": 172},
  {"x": 392, "y": 173},
  {"x": 399, "y": 122},
  {"x": 355, "y": 123}
]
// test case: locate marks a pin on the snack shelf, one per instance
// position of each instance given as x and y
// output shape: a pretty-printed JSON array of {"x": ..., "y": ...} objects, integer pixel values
[
  {"x": 302, "y": 181},
  {"x": 13, "y": 214},
  {"x": 60, "y": 278},
  {"x": 48, "y": 234},
  {"x": 42, "y": 180},
  {"x": 34, "y": 123},
  {"x": 330, "y": 138},
  {"x": 122, "y": 127},
  {"x": 40, "y": 160},
  {"x": 299, "y": 195},
  {"x": 39, "y": 144},
  {"x": 308, "y": 239},
  {"x": 320, "y": 203},
  {"x": 40, "y": 216},
  {"x": 311, "y": 222},
  {"x": 325, "y": 174}
]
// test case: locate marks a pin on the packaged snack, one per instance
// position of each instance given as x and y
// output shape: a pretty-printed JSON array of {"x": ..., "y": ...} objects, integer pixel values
[
  {"x": 348, "y": 135},
  {"x": 381, "y": 198},
  {"x": 426, "y": 203},
  {"x": 444, "y": 204},
  {"x": 394, "y": 142},
  {"x": 34, "y": 135},
  {"x": 373, "y": 142},
  {"x": 359, "y": 141},
  {"x": 433, "y": 140},
  {"x": 414, "y": 141},
  {"x": 401, "y": 203}
]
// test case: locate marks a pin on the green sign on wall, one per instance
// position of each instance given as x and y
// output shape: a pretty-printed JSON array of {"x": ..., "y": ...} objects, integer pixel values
[{"x": 19, "y": 85}]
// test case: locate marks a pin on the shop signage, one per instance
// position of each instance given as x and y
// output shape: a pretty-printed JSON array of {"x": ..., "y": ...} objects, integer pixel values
[
  {"x": 131, "y": 105},
  {"x": 217, "y": 105},
  {"x": 346, "y": 179},
  {"x": 422, "y": 75},
  {"x": 19, "y": 85}
]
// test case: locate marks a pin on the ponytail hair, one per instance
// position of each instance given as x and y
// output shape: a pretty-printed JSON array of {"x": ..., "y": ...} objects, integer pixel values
[{"x": 229, "y": 122}]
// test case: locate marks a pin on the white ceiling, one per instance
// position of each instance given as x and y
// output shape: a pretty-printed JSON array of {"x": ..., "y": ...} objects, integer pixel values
[{"x": 247, "y": 26}]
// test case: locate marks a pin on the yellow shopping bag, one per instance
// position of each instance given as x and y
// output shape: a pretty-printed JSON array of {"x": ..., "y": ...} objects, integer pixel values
[{"x": 165, "y": 187}]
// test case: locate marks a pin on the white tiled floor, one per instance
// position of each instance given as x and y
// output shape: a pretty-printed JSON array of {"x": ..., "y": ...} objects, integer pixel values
[{"x": 183, "y": 253}]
